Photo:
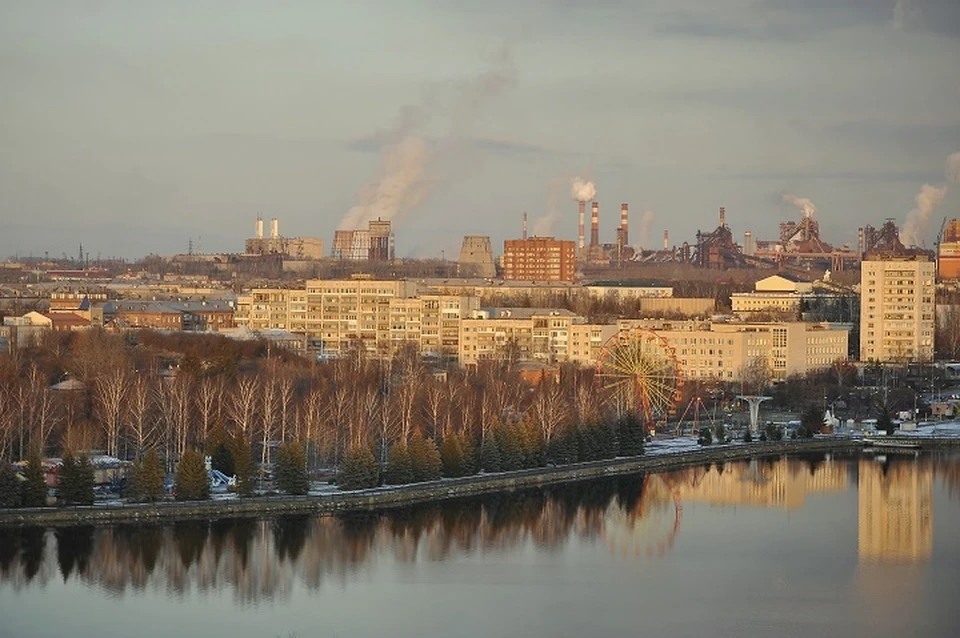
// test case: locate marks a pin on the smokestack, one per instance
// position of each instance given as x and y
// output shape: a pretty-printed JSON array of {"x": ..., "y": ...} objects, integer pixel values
[
  {"x": 595, "y": 224},
  {"x": 581, "y": 237},
  {"x": 624, "y": 223},
  {"x": 524, "y": 225},
  {"x": 274, "y": 228},
  {"x": 259, "y": 230},
  {"x": 723, "y": 217},
  {"x": 666, "y": 240},
  {"x": 748, "y": 248},
  {"x": 860, "y": 242}
]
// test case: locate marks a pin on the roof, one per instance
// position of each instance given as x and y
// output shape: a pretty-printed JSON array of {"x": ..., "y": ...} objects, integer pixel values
[{"x": 629, "y": 284}]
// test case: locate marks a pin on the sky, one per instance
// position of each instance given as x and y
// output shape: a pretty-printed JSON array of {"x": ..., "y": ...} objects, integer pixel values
[{"x": 139, "y": 127}]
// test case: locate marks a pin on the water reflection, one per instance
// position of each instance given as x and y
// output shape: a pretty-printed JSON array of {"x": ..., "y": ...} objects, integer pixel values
[{"x": 639, "y": 518}]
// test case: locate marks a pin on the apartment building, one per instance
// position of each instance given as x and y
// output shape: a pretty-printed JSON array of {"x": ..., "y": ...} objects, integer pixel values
[
  {"x": 193, "y": 316},
  {"x": 383, "y": 314},
  {"x": 897, "y": 318},
  {"x": 536, "y": 334},
  {"x": 539, "y": 259},
  {"x": 724, "y": 350}
]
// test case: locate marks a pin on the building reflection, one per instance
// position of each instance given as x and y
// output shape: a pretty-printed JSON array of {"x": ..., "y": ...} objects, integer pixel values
[
  {"x": 895, "y": 502},
  {"x": 635, "y": 517}
]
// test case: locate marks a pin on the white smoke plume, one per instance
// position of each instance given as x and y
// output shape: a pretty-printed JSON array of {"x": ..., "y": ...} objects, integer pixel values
[
  {"x": 905, "y": 13},
  {"x": 953, "y": 168},
  {"x": 407, "y": 157},
  {"x": 804, "y": 204},
  {"x": 582, "y": 190},
  {"x": 643, "y": 229},
  {"x": 925, "y": 203},
  {"x": 543, "y": 225}
]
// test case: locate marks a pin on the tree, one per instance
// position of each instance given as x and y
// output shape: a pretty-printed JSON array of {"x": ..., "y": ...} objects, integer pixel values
[
  {"x": 510, "y": 446},
  {"x": 35, "y": 488},
  {"x": 747, "y": 436},
  {"x": 244, "y": 468},
  {"x": 490, "y": 455},
  {"x": 75, "y": 486},
  {"x": 399, "y": 470},
  {"x": 292, "y": 469},
  {"x": 193, "y": 481},
  {"x": 885, "y": 422},
  {"x": 425, "y": 458},
  {"x": 359, "y": 469},
  {"x": 630, "y": 434},
  {"x": 706, "y": 436},
  {"x": 11, "y": 492},
  {"x": 811, "y": 422},
  {"x": 146, "y": 482},
  {"x": 451, "y": 457},
  {"x": 772, "y": 433},
  {"x": 721, "y": 433}
]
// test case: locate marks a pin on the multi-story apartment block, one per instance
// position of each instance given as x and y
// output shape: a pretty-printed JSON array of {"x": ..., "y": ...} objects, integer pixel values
[
  {"x": 724, "y": 350},
  {"x": 897, "y": 318},
  {"x": 539, "y": 259}
]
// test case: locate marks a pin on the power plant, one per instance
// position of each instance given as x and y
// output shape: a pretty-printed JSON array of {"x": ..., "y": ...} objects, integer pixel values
[
  {"x": 376, "y": 243},
  {"x": 303, "y": 248}
]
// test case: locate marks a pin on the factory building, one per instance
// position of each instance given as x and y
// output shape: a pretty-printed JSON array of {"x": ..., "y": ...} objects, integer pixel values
[
  {"x": 539, "y": 259},
  {"x": 376, "y": 243},
  {"x": 275, "y": 244},
  {"x": 897, "y": 318},
  {"x": 948, "y": 252}
]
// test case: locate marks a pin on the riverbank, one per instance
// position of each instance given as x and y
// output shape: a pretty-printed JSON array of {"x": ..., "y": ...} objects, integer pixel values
[{"x": 392, "y": 497}]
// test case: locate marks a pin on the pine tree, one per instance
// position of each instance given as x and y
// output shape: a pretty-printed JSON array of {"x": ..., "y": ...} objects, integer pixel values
[
  {"x": 747, "y": 436},
  {"x": 490, "y": 454},
  {"x": 75, "y": 480},
  {"x": 885, "y": 422},
  {"x": 147, "y": 477},
  {"x": 292, "y": 469},
  {"x": 399, "y": 470},
  {"x": 425, "y": 458},
  {"x": 359, "y": 470},
  {"x": 451, "y": 457},
  {"x": 706, "y": 436},
  {"x": 532, "y": 445},
  {"x": 471, "y": 454},
  {"x": 35, "y": 488},
  {"x": 511, "y": 449},
  {"x": 244, "y": 468},
  {"x": 193, "y": 481},
  {"x": 11, "y": 492},
  {"x": 630, "y": 435},
  {"x": 564, "y": 447}
]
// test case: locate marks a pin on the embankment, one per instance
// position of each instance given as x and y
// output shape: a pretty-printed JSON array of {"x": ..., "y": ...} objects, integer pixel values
[{"x": 391, "y": 497}]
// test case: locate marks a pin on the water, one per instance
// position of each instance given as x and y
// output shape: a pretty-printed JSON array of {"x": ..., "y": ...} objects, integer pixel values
[{"x": 788, "y": 547}]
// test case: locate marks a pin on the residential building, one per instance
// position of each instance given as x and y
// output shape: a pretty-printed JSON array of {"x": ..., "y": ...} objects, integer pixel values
[
  {"x": 897, "y": 319},
  {"x": 190, "y": 316},
  {"x": 539, "y": 259}
]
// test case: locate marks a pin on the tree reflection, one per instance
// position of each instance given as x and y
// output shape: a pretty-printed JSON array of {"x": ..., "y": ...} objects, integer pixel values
[{"x": 74, "y": 547}]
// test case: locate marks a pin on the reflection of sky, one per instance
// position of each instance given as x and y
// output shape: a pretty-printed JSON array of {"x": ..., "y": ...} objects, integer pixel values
[{"x": 734, "y": 571}]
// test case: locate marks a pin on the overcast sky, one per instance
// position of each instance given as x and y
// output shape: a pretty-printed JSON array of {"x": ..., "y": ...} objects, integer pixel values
[{"x": 135, "y": 127}]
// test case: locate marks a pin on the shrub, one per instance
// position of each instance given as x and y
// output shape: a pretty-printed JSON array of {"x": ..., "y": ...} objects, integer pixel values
[
  {"x": 399, "y": 470},
  {"x": 146, "y": 482},
  {"x": 292, "y": 469},
  {"x": 193, "y": 481},
  {"x": 359, "y": 470}
]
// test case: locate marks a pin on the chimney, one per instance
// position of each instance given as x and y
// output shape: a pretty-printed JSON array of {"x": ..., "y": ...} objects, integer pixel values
[
  {"x": 748, "y": 248},
  {"x": 860, "y": 242},
  {"x": 582, "y": 235},
  {"x": 723, "y": 217},
  {"x": 259, "y": 231},
  {"x": 666, "y": 240},
  {"x": 274, "y": 228},
  {"x": 595, "y": 224},
  {"x": 524, "y": 225},
  {"x": 624, "y": 223}
]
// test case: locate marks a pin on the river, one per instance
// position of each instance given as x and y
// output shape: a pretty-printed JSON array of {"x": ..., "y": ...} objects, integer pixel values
[{"x": 808, "y": 546}]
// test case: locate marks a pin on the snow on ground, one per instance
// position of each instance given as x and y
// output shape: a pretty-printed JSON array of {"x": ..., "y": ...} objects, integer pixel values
[{"x": 948, "y": 429}]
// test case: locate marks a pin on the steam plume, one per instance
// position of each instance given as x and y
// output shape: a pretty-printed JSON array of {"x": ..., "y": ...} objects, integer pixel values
[
  {"x": 407, "y": 157},
  {"x": 582, "y": 191},
  {"x": 643, "y": 230},
  {"x": 543, "y": 225},
  {"x": 925, "y": 202},
  {"x": 809, "y": 210},
  {"x": 953, "y": 168}
]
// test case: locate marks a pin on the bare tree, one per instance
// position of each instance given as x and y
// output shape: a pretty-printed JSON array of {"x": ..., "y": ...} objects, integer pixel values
[
  {"x": 141, "y": 423},
  {"x": 549, "y": 409},
  {"x": 242, "y": 406},
  {"x": 209, "y": 398},
  {"x": 110, "y": 393}
]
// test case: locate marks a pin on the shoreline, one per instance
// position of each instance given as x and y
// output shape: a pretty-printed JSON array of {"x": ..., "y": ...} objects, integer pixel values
[{"x": 383, "y": 498}]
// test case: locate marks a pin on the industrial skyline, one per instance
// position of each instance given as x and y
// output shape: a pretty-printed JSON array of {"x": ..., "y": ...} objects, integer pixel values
[{"x": 140, "y": 128}]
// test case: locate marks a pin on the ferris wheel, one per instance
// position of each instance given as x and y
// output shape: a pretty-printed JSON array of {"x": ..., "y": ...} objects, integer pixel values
[{"x": 639, "y": 370}]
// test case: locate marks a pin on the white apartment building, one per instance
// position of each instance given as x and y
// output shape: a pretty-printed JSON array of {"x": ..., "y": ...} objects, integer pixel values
[
  {"x": 724, "y": 350},
  {"x": 897, "y": 317}
]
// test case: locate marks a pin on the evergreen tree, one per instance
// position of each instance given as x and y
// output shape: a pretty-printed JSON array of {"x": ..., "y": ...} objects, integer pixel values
[
  {"x": 292, "y": 469},
  {"x": 193, "y": 481},
  {"x": 747, "y": 436},
  {"x": 471, "y": 454},
  {"x": 218, "y": 447},
  {"x": 721, "y": 433},
  {"x": 35, "y": 487},
  {"x": 706, "y": 436},
  {"x": 630, "y": 434},
  {"x": 359, "y": 470},
  {"x": 399, "y": 470},
  {"x": 564, "y": 447},
  {"x": 490, "y": 454},
  {"x": 146, "y": 482},
  {"x": 75, "y": 480},
  {"x": 425, "y": 458},
  {"x": 532, "y": 445},
  {"x": 11, "y": 492},
  {"x": 811, "y": 422},
  {"x": 245, "y": 469},
  {"x": 885, "y": 422},
  {"x": 511, "y": 449},
  {"x": 451, "y": 457}
]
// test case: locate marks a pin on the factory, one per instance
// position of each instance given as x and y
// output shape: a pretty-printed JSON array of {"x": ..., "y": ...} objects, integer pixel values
[
  {"x": 294, "y": 247},
  {"x": 376, "y": 243}
]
